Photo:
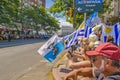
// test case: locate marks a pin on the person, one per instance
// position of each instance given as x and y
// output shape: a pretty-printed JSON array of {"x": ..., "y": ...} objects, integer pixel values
[
  {"x": 111, "y": 40},
  {"x": 106, "y": 64},
  {"x": 55, "y": 50},
  {"x": 106, "y": 61},
  {"x": 9, "y": 36}
]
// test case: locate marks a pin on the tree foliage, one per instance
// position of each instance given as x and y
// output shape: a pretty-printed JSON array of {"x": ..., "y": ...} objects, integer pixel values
[
  {"x": 38, "y": 18},
  {"x": 8, "y": 9},
  {"x": 35, "y": 17},
  {"x": 61, "y": 6}
]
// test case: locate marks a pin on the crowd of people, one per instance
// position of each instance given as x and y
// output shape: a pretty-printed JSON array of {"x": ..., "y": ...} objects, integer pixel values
[
  {"x": 19, "y": 36},
  {"x": 94, "y": 60}
]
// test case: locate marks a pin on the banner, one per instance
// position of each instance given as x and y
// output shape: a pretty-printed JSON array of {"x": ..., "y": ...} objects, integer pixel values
[{"x": 52, "y": 48}]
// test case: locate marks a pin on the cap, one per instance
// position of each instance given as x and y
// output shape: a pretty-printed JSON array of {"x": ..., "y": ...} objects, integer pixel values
[{"x": 107, "y": 50}]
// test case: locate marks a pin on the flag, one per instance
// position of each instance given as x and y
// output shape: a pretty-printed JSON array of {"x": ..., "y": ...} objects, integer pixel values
[
  {"x": 88, "y": 31},
  {"x": 91, "y": 22},
  {"x": 71, "y": 40},
  {"x": 106, "y": 31},
  {"x": 116, "y": 33},
  {"x": 119, "y": 35},
  {"x": 82, "y": 25},
  {"x": 113, "y": 31},
  {"x": 52, "y": 48},
  {"x": 80, "y": 33},
  {"x": 81, "y": 30}
]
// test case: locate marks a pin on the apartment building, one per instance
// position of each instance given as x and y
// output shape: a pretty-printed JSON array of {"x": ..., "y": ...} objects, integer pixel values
[{"x": 115, "y": 13}]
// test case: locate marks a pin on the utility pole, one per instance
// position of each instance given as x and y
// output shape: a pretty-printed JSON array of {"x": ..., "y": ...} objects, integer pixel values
[{"x": 74, "y": 14}]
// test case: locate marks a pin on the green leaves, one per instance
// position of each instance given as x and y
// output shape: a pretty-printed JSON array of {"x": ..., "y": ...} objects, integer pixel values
[
  {"x": 38, "y": 18},
  {"x": 61, "y": 6},
  {"x": 35, "y": 17},
  {"x": 8, "y": 9}
]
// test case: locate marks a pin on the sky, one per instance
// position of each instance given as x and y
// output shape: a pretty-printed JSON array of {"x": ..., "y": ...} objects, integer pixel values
[{"x": 49, "y": 3}]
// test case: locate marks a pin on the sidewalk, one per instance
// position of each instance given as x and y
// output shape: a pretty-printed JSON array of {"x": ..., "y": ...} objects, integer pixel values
[{"x": 41, "y": 71}]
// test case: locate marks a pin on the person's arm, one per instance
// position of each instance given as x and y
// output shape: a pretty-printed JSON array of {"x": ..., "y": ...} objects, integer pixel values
[
  {"x": 80, "y": 64},
  {"x": 77, "y": 55},
  {"x": 85, "y": 72}
]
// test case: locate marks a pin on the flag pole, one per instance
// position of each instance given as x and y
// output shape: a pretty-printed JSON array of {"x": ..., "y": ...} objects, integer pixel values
[{"x": 84, "y": 17}]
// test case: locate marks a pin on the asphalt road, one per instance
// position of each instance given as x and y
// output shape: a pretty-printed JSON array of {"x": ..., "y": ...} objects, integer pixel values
[
  {"x": 19, "y": 42},
  {"x": 17, "y": 60}
]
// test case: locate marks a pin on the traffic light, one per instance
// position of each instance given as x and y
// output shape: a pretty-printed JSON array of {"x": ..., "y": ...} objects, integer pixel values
[{"x": 69, "y": 15}]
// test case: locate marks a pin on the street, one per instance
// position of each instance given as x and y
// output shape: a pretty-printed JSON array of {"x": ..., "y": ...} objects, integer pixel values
[
  {"x": 5, "y": 43},
  {"x": 17, "y": 60}
]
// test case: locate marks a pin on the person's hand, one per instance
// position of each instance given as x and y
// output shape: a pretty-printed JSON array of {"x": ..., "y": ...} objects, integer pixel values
[{"x": 71, "y": 76}]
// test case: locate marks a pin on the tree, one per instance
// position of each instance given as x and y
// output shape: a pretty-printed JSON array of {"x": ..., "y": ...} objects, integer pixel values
[
  {"x": 38, "y": 18},
  {"x": 35, "y": 17},
  {"x": 8, "y": 10},
  {"x": 61, "y": 6}
]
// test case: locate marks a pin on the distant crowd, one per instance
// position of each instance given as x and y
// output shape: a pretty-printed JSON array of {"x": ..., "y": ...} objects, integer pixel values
[{"x": 9, "y": 36}]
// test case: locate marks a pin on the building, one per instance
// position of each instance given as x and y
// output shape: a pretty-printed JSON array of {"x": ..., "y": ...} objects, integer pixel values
[
  {"x": 114, "y": 15},
  {"x": 28, "y": 3},
  {"x": 65, "y": 29},
  {"x": 117, "y": 8}
]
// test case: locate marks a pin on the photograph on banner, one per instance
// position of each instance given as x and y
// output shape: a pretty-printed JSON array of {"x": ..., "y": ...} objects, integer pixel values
[{"x": 52, "y": 48}]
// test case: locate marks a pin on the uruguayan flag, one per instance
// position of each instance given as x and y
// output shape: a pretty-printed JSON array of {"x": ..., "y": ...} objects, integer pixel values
[
  {"x": 81, "y": 30},
  {"x": 80, "y": 33},
  {"x": 119, "y": 35},
  {"x": 72, "y": 39},
  {"x": 88, "y": 31},
  {"x": 116, "y": 33},
  {"x": 91, "y": 22},
  {"x": 52, "y": 48},
  {"x": 111, "y": 31}
]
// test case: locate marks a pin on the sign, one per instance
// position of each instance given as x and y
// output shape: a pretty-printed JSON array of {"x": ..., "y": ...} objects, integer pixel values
[
  {"x": 52, "y": 48},
  {"x": 88, "y": 5}
]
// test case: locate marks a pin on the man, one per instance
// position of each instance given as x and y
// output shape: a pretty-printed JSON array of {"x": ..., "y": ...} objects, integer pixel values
[
  {"x": 106, "y": 63},
  {"x": 106, "y": 59}
]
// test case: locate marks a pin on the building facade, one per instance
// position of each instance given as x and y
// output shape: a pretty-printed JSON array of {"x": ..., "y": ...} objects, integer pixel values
[
  {"x": 114, "y": 15},
  {"x": 117, "y": 8},
  {"x": 65, "y": 29}
]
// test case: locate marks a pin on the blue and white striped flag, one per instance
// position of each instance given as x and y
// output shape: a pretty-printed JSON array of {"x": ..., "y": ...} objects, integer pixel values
[
  {"x": 81, "y": 30},
  {"x": 119, "y": 35},
  {"x": 80, "y": 33},
  {"x": 111, "y": 31},
  {"x": 116, "y": 33},
  {"x": 91, "y": 22},
  {"x": 72, "y": 39}
]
